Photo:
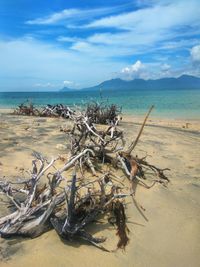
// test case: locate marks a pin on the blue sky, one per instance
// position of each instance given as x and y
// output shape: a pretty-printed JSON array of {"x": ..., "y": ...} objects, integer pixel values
[{"x": 45, "y": 45}]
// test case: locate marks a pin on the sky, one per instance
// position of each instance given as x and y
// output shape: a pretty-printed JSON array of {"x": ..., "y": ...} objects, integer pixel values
[{"x": 49, "y": 44}]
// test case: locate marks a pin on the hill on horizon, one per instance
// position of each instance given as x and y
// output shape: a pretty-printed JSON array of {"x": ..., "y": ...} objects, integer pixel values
[{"x": 180, "y": 83}]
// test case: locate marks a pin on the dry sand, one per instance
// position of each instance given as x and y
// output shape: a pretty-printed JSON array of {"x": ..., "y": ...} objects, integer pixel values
[{"x": 170, "y": 238}]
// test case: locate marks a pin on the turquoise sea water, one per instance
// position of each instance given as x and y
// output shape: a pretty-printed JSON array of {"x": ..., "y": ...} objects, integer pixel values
[{"x": 168, "y": 103}]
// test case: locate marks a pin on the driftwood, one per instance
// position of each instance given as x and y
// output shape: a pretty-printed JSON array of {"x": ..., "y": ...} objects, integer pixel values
[
  {"x": 32, "y": 204},
  {"x": 27, "y": 109},
  {"x": 49, "y": 199},
  {"x": 96, "y": 112},
  {"x": 58, "y": 110},
  {"x": 84, "y": 210},
  {"x": 134, "y": 143},
  {"x": 103, "y": 113}
]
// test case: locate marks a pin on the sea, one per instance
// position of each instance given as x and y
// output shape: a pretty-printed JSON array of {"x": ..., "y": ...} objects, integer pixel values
[{"x": 171, "y": 104}]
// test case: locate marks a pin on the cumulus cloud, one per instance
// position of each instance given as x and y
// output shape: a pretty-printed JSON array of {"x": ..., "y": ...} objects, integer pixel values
[
  {"x": 150, "y": 70},
  {"x": 134, "y": 71},
  {"x": 195, "y": 54},
  {"x": 135, "y": 68},
  {"x": 68, "y": 83}
]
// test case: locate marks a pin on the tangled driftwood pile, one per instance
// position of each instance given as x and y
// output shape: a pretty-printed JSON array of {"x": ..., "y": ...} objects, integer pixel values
[
  {"x": 58, "y": 110},
  {"x": 83, "y": 190},
  {"x": 96, "y": 112},
  {"x": 26, "y": 109},
  {"x": 102, "y": 113}
]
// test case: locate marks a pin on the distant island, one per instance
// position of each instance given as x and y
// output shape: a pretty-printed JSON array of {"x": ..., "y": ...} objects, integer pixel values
[{"x": 181, "y": 83}]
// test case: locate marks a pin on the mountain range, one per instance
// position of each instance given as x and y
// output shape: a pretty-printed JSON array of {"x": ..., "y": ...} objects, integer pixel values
[{"x": 181, "y": 83}]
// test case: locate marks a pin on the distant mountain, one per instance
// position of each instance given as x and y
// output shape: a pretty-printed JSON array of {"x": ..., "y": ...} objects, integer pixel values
[{"x": 181, "y": 83}]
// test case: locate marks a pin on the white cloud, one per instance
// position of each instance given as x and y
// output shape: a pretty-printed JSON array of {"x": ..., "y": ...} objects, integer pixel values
[
  {"x": 45, "y": 85},
  {"x": 68, "y": 39},
  {"x": 68, "y": 83},
  {"x": 158, "y": 21},
  {"x": 155, "y": 70},
  {"x": 102, "y": 52},
  {"x": 175, "y": 45},
  {"x": 133, "y": 68},
  {"x": 139, "y": 70},
  {"x": 195, "y": 54},
  {"x": 155, "y": 18},
  {"x": 165, "y": 67},
  {"x": 55, "y": 17},
  {"x": 76, "y": 15},
  {"x": 133, "y": 71},
  {"x": 147, "y": 29},
  {"x": 142, "y": 29}
]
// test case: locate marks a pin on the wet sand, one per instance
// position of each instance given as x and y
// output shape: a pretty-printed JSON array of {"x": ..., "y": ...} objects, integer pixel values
[{"x": 171, "y": 237}]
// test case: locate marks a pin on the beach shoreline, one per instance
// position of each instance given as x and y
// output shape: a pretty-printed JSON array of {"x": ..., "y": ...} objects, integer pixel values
[{"x": 192, "y": 124}]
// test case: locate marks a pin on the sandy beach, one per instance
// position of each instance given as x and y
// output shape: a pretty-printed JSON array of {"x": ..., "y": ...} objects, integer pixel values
[{"x": 171, "y": 237}]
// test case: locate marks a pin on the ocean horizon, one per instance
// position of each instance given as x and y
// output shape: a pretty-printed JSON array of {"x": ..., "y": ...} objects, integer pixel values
[{"x": 183, "y": 104}]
